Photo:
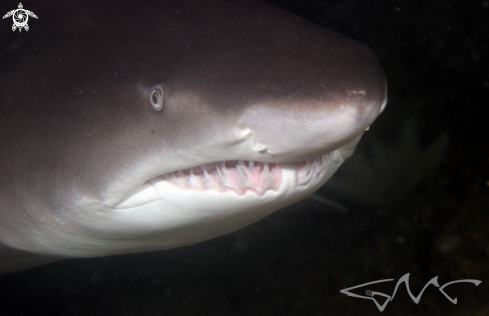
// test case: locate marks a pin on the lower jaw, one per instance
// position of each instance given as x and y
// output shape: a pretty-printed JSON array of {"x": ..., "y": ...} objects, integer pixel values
[{"x": 183, "y": 217}]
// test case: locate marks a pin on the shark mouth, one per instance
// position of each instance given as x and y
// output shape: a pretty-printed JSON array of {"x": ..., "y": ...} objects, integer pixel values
[
  {"x": 238, "y": 176},
  {"x": 242, "y": 176}
]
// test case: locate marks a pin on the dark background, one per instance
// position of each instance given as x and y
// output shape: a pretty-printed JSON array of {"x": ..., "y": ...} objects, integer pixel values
[{"x": 413, "y": 199}]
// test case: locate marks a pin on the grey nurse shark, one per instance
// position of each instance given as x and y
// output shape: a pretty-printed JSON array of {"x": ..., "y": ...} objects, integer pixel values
[{"x": 132, "y": 126}]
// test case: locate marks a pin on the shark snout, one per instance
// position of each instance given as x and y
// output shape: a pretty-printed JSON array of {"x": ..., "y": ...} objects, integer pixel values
[{"x": 293, "y": 135}]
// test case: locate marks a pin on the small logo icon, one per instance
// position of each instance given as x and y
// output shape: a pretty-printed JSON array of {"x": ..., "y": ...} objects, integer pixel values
[
  {"x": 20, "y": 17},
  {"x": 404, "y": 279}
]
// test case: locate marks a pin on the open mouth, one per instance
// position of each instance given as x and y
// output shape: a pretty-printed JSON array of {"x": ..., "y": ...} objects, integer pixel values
[
  {"x": 242, "y": 176},
  {"x": 236, "y": 176}
]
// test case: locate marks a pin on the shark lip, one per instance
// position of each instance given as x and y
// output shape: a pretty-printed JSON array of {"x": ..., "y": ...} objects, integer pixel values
[{"x": 238, "y": 176}]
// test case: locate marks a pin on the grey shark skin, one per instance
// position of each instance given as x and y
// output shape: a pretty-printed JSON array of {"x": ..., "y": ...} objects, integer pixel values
[{"x": 131, "y": 126}]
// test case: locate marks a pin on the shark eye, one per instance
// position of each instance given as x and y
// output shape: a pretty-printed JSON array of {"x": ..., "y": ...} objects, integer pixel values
[{"x": 156, "y": 98}]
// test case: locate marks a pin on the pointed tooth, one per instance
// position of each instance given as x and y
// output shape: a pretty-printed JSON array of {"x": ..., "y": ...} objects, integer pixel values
[
  {"x": 314, "y": 168},
  {"x": 324, "y": 164},
  {"x": 243, "y": 167},
  {"x": 193, "y": 179},
  {"x": 308, "y": 177},
  {"x": 153, "y": 183},
  {"x": 268, "y": 174},
  {"x": 220, "y": 175},
  {"x": 190, "y": 177},
  {"x": 265, "y": 172},
  {"x": 206, "y": 175},
  {"x": 307, "y": 167},
  {"x": 224, "y": 182},
  {"x": 174, "y": 180},
  {"x": 241, "y": 175},
  {"x": 207, "y": 178},
  {"x": 244, "y": 181}
]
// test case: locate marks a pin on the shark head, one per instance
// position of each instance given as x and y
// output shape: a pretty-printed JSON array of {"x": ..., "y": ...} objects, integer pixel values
[{"x": 200, "y": 121}]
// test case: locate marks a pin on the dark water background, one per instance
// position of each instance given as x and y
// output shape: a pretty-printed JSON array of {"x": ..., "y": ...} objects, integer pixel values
[{"x": 416, "y": 194}]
